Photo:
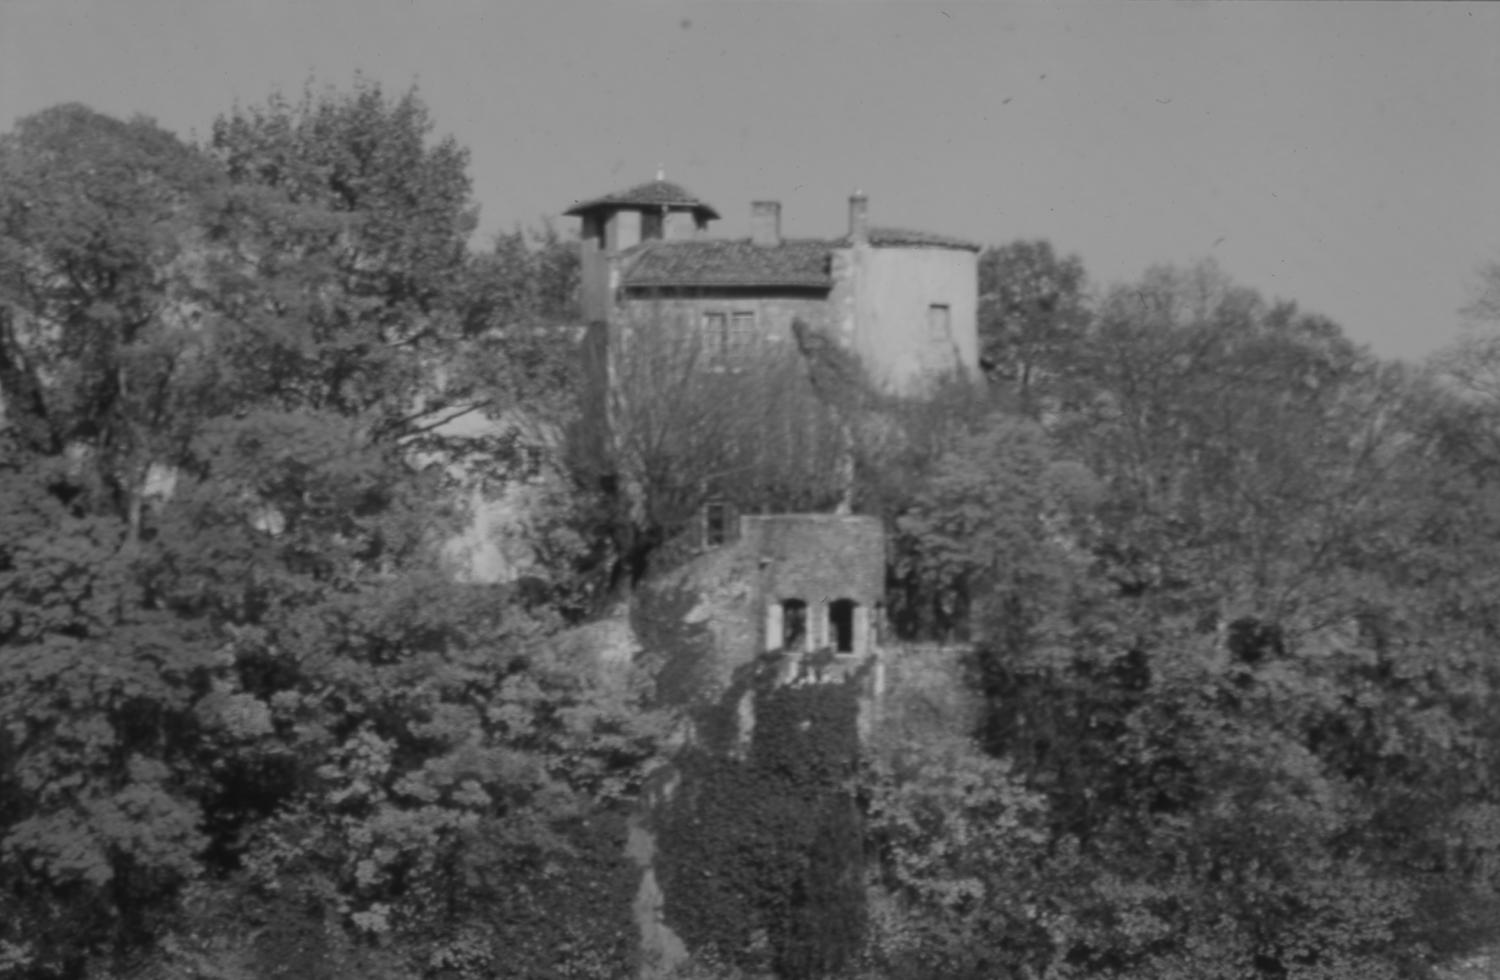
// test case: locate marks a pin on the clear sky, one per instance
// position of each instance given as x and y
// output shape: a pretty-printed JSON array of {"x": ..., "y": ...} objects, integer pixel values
[{"x": 1345, "y": 155}]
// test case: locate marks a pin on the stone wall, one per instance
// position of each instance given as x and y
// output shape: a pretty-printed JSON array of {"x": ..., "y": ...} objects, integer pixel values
[
  {"x": 724, "y": 604},
  {"x": 897, "y": 337},
  {"x": 821, "y": 580},
  {"x": 818, "y": 557},
  {"x": 774, "y": 312}
]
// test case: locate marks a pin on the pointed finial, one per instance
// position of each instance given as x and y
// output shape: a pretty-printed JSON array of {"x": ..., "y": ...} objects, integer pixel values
[{"x": 661, "y": 171}]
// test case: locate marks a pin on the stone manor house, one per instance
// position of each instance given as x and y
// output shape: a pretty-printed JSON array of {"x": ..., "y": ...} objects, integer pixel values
[{"x": 903, "y": 301}]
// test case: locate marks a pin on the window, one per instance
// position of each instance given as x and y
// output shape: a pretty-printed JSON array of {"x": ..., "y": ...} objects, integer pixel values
[
  {"x": 728, "y": 336},
  {"x": 938, "y": 324},
  {"x": 715, "y": 523},
  {"x": 715, "y": 327},
  {"x": 741, "y": 333},
  {"x": 841, "y": 624},
  {"x": 939, "y": 354},
  {"x": 793, "y": 624}
]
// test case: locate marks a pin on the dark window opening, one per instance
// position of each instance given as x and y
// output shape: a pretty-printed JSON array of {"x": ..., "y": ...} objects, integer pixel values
[
  {"x": 841, "y": 624},
  {"x": 716, "y": 523},
  {"x": 593, "y": 230},
  {"x": 651, "y": 225},
  {"x": 793, "y": 624}
]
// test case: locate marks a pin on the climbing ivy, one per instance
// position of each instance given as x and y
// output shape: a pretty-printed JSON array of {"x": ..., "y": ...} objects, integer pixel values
[{"x": 761, "y": 856}]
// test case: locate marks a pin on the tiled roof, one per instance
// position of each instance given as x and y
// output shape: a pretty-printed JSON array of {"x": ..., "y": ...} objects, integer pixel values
[
  {"x": 802, "y": 262},
  {"x": 910, "y": 238},
  {"x": 657, "y": 193},
  {"x": 729, "y": 262}
]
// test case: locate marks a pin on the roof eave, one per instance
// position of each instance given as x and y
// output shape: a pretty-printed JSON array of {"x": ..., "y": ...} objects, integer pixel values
[
  {"x": 699, "y": 210},
  {"x": 727, "y": 284}
]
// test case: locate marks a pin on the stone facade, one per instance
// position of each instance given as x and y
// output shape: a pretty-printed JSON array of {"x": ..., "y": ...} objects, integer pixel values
[
  {"x": 770, "y": 313},
  {"x": 821, "y": 581},
  {"x": 915, "y": 314},
  {"x": 904, "y": 301},
  {"x": 810, "y": 586},
  {"x": 790, "y": 599}
]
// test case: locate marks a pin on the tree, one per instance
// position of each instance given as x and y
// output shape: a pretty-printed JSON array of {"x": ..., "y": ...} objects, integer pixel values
[
  {"x": 978, "y": 546},
  {"x": 107, "y": 261},
  {"x": 1033, "y": 310},
  {"x": 1259, "y": 702},
  {"x": 1484, "y": 306},
  {"x": 959, "y": 841},
  {"x": 250, "y": 695},
  {"x": 1223, "y": 428},
  {"x": 527, "y": 278},
  {"x": 102, "y": 815},
  {"x": 391, "y": 752},
  {"x": 372, "y": 263},
  {"x": 682, "y": 422}
]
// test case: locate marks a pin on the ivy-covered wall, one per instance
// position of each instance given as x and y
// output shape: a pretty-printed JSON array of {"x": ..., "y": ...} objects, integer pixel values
[
  {"x": 760, "y": 851},
  {"x": 751, "y": 845}
]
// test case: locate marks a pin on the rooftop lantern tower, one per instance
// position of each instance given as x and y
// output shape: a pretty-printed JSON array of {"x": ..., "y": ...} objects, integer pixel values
[{"x": 657, "y": 210}]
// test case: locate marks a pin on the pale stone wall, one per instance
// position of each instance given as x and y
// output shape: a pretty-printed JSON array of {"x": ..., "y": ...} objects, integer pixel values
[
  {"x": 498, "y": 542},
  {"x": 883, "y": 309},
  {"x": 507, "y": 511},
  {"x": 846, "y": 266},
  {"x": 680, "y": 225},
  {"x": 593, "y": 281},
  {"x": 622, "y": 229}
]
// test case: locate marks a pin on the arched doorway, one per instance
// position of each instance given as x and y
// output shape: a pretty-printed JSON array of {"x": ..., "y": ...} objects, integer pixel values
[
  {"x": 841, "y": 625},
  {"x": 793, "y": 624}
]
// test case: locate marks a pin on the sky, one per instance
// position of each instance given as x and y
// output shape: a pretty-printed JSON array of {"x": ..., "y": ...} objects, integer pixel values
[{"x": 1342, "y": 155}]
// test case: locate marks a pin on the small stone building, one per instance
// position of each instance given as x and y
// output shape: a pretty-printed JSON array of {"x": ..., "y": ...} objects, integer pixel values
[
  {"x": 822, "y": 581},
  {"x": 904, "y": 301}
]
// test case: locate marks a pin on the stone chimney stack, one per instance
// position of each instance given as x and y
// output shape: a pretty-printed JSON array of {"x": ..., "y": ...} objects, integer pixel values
[
  {"x": 859, "y": 217},
  {"x": 765, "y": 223}
]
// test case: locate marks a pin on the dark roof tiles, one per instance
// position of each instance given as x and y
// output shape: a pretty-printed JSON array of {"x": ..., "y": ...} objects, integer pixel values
[
  {"x": 911, "y": 238},
  {"x": 728, "y": 262},
  {"x": 795, "y": 262},
  {"x": 655, "y": 193}
]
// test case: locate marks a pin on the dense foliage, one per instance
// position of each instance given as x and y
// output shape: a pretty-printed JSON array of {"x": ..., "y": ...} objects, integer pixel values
[
  {"x": 252, "y": 726},
  {"x": 1227, "y": 585},
  {"x": 1237, "y": 633},
  {"x": 682, "y": 424},
  {"x": 761, "y": 851}
]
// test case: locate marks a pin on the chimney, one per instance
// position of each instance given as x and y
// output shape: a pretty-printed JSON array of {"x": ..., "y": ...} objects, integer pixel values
[
  {"x": 765, "y": 223},
  {"x": 859, "y": 217}
]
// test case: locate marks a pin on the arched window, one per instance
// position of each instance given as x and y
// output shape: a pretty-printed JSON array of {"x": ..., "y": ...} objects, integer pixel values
[
  {"x": 841, "y": 624},
  {"x": 793, "y": 624}
]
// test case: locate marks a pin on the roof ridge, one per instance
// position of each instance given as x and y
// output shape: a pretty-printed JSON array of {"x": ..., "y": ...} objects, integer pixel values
[{"x": 653, "y": 193}]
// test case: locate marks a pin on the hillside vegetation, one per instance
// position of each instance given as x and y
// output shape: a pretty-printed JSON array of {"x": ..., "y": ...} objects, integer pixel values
[{"x": 1222, "y": 587}]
